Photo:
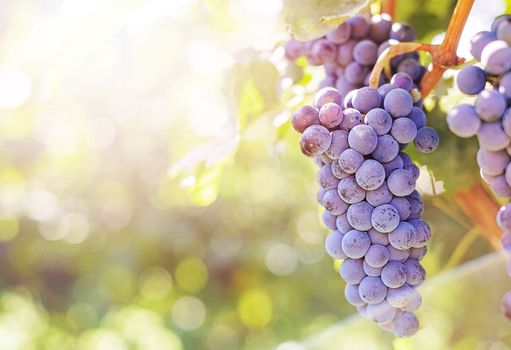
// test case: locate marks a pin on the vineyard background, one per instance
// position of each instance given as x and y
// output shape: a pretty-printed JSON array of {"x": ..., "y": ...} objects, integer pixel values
[{"x": 153, "y": 196}]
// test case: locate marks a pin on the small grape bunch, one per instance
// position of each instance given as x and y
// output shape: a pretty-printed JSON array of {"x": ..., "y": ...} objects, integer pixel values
[
  {"x": 368, "y": 190},
  {"x": 348, "y": 53},
  {"x": 489, "y": 118}
]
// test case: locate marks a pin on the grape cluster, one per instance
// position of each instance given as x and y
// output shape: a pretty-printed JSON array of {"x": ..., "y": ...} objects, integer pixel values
[
  {"x": 367, "y": 187},
  {"x": 349, "y": 53},
  {"x": 489, "y": 118}
]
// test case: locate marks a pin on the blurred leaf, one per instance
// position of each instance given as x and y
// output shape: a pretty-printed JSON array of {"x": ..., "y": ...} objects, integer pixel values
[
  {"x": 250, "y": 103},
  {"x": 308, "y": 19},
  {"x": 266, "y": 79}
]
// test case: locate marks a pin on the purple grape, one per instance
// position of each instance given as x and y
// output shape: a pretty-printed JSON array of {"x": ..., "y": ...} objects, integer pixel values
[
  {"x": 345, "y": 52},
  {"x": 416, "y": 207},
  {"x": 403, "y": 236},
  {"x": 403, "y": 130},
  {"x": 497, "y": 21},
  {"x": 327, "y": 95},
  {"x": 384, "y": 89},
  {"x": 507, "y": 174},
  {"x": 365, "y": 52},
  {"x": 394, "y": 164},
  {"x": 380, "y": 120},
  {"x": 386, "y": 149},
  {"x": 402, "y": 32},
  {"x": 348, "y": 99},
  {"x": 350, "y": 191},
  {"x": 363, "y": 139},
  {"x": 506, "y": 122},
  {"x": 359, "y": 27},
  {"x": 463, "y": 121},
  {"x": 418, "y": 253},
  {"x": 352, "y": 295},
  {"x": 325, "y": 159},
  {"x": 400, "y": 297},
  {"x": 304, "y": 117},
  {"x": 323, "y": 51},
  {"x": 342, "y": 224},
  {"x": 381, "y": 313},
  {"x": 415, "y": 273},
  {"x": 505, "y": 241},
  {"x": 378, "y": 238},
  {"x": 402, "y": 81},
  {"x": 371, "y": 271},
  {"x": 504, "y": 218},
  {"x": 385, "y": 218},
  {"x": 337, "y": 171},
  {"x": 329, "y": 220},
  {"x": 366, "y": 99},
  {"x": 496, "y": 57},
  {"x": 294, "y": 49},
  {"x": 379, "y": 196},
  {"x": 403, "y": 207},
  {"x": 372, "y": 290},
  {"x": 405, "y": 324},
  {"x": 350, "y": 161},
  {"x": 330, "y": 115},
  {"x": 326, "y": 178},
  {"x": 379, "y": 27},
  {"x": 411, "y": 67},
  {"x": 377, "y": 256},
  {"x": 500, "y": 186},
  {"x": 401, "y": 182},
  {"x": 315, "y": 140},
  {"x": 471, "y": 80},
  {"x": 490, "y": 105},
  {"x": 333, "y": 203},
  {"x": 417, "y": 116},
  {"x": 329, "y": 81},
  {"x": 492, "y": 136},
  {"x": 479, "y": 42},
  {"x": 414, "y": 303},
  {"x": 319, "y": 195},
  {"x": 393, "y": 275},
  {"x": 397, "y": 254},
  {"x": 359, "y": 216},
  {"x": 341, "y": 34},
  {"x": 355, "y": 73},
  {"x": 370, "y": 175},
  {"x": 333, "y": 245},
  {"x": 505, "y": 85},
  {"x": 398, "y": 103},
  {"x": 352, "y": 271},
  {"x": 338, "y": 145},
  {"x": 352, "y": 118},
  {"x": 492, "y": 163},
  {"x": 427, "y": 140}
]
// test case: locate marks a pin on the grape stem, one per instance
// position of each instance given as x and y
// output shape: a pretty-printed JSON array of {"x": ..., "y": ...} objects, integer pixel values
[
  {"x": 389, "y": 7},
  {"x": 443, "y": 55}
]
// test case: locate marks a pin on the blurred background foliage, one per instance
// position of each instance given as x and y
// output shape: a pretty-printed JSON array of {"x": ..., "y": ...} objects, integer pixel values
[{"x": 152, "y": 193}]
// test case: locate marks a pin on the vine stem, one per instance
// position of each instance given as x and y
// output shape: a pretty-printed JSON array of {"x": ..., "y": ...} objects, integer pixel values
[{"x": 389, "y": 7}]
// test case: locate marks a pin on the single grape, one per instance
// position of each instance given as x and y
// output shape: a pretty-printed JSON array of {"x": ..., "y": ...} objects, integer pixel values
[
  {"x": 366, "y": 99},
  {"x": 323, "y": 51},
  {"x": 378, "y": 238},
  {"x": 397, "y": 254},
  {"x": 379, "y": 27},
  {"x": 401, "y": 296},
  {"x": 414, "y": 303},
  {"x": 385, "y": 218},
  {"x": 377, "y": 255},
  {"x": 363, "y": 139},
  {"x": 384, "y": 89},
  {"x": 330, "y": 115},
  {"x": 500, "y": 186},
  {"x": 492, "y": 163},
  {"x": 505, "y": 85},
  {"x": 355, "y": 73},
  {"x": 381, "y": 313},
  {"x": 416, "y": 205},
  {"x": 402, "y": 32},
  {"x": 393, "y": 275},
  {"x": 411, "y": 67},
  {"x": 325, "y": 159},
  {"x": 492, "y": 136},
  {"x": 350, "y": 191},
  {"x": 372, "y": 290},
  {"x": 348, "y": 99},
  {"x": 304, "y": 117},
  {"x": 333, "y": 245},
  {"x": 418, "y": 253},
  {"x": 326, "y": 178},
  {"x": 505, "y": 241},
  {"x": 417, "y": 116},
  {"x": 398, "y": 103},
  {"x": 333, "y": 203},
  {"x": 380, "y": 120},
  {"x": 371, "y": 271},
  {"x": 338, "y": 145},
  {"x": 344, "y": 87},
  {"x": 402, "y": 81},
  {"x": 463, "y": 121},
  {"x": 490, "y": 105},
  {"x": 345, "y": 52},
  {"x": 401, "y": 182},
  {"x": 405, "y": 324},
  {"x": 341, "y": 34},
  {"x": 497, "y": 21},
  {"x": 370, "y": 175},
  {"x": 294, "y": 49},
  {"x": 396, "y": 163},
  {"x": 351, "y": 118},
  {"x": 352, "y": 271},
  {"x": 403, "y": 130},
  {"x": 415, "y": 273},
  {"x": 359, "y": 27},
  {"x": 327, "y": 95},
  {"x": 403, "y": 236},
  {"x": 379, "y": 196},
  {"x": 479, "y": 42},
  {"x": 359, "y": 216},
  {"x": 342, "y": 224},
  {"x": 329, "y": 220},
  {"x": 427, "y": 140},
  {"x": 350, "y": 161},
  {"x": 352, "y": 295},
  {"x": 320, "y": 194},
  {"x": 386, "y": 149},
  {"x": 504, "y": 217},
  {"x": 506, "y": 122},
  {"x": 365, "y": 52},
  {"x": 403, "y": 206},
  {"x": 315, "y": 140},
  {"x": 496, "y": 57},
  {"x": 471, "y": 80},
  {"x": 504, "y": 31}
]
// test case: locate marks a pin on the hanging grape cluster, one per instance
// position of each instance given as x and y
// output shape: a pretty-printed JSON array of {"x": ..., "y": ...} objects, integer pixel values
[{"x": 489, "y": 118}]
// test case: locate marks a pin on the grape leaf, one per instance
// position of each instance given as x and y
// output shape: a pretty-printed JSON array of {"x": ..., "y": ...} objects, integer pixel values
[{"x": 309, "y": 19}]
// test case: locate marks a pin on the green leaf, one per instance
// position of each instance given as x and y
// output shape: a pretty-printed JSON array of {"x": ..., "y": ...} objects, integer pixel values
[{"x": 309, "y": 19}]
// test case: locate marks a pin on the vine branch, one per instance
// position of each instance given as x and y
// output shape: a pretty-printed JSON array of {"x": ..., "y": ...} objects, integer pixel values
[{"x": 389, "y": 7}]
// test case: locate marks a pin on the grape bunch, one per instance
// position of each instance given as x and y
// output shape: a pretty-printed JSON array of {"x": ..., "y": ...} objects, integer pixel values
[
  {"x": 367, "y": 187},
  {"x": 489, "y": 118},
  {"x": 349, "y": 53}
]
